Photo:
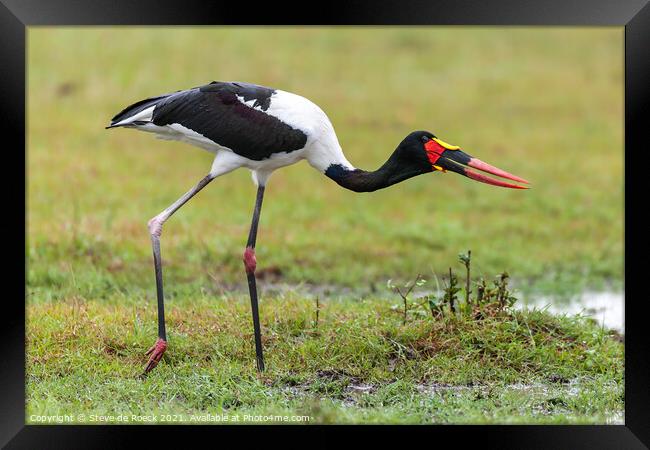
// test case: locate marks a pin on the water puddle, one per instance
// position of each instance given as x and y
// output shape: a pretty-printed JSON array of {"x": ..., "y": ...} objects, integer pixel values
[{"x": 607, "y": 308}]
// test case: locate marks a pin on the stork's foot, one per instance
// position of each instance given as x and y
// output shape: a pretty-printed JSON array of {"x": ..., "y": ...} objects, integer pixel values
[{"x": 156, "y": 353}]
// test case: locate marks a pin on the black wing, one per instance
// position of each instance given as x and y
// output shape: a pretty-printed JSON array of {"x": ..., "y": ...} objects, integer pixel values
[{"x": 215, "y": 112}]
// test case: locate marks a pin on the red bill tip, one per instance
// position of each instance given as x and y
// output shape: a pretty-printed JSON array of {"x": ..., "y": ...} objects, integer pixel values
[
  {"x": 485, "y": 167},
  {"x": 483, "y": 179}
]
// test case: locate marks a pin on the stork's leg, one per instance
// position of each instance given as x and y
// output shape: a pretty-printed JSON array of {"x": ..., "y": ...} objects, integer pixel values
[
  {"x": 155, "y": 229},
  {"x": 250, "y": 264}
]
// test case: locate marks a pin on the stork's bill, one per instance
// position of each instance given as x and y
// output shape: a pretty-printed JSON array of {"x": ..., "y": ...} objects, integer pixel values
[{"x": 443, "y": 157}]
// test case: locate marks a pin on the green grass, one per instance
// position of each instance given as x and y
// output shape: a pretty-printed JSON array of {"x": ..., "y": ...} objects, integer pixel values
[
  {"x": 358, "y": 363},
  {"x": 544, "y": 103}
]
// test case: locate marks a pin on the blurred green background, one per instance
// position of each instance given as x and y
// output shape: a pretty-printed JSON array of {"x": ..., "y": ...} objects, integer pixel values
[{"x": 543, "y": 103}]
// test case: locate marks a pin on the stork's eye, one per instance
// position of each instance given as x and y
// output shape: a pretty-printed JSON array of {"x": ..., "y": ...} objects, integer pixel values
[{"x": 425, "y": 139}]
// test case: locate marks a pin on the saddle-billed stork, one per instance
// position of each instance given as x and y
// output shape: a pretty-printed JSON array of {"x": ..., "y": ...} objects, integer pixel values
[{"x": 263, "y": 129}]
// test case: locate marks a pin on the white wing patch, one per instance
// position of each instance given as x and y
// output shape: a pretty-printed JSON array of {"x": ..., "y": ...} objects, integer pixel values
[
  {"x": 145, "y": 115},
  {"x": 195, "y": 138},
  {"x": 177, "y": 132}
]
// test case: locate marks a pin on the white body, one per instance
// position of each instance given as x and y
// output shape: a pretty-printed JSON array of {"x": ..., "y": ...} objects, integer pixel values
[{"x": 321, "y": 149}]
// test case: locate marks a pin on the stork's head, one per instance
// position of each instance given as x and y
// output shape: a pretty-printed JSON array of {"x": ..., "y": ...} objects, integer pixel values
[{"x": 429, "y": 153}]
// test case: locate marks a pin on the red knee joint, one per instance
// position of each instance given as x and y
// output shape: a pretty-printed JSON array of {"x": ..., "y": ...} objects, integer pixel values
[{"x": 250, "y": 262}]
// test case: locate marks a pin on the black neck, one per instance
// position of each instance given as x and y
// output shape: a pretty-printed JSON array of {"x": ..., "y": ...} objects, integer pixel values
[{"x": 358, "y": 180}]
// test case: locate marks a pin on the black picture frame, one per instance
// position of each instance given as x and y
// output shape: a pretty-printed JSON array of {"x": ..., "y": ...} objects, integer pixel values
[{"x": 634, "y": 15}]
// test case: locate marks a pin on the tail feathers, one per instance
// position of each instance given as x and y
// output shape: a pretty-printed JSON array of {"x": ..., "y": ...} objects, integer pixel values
[{"x": 138, "y": 113}]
